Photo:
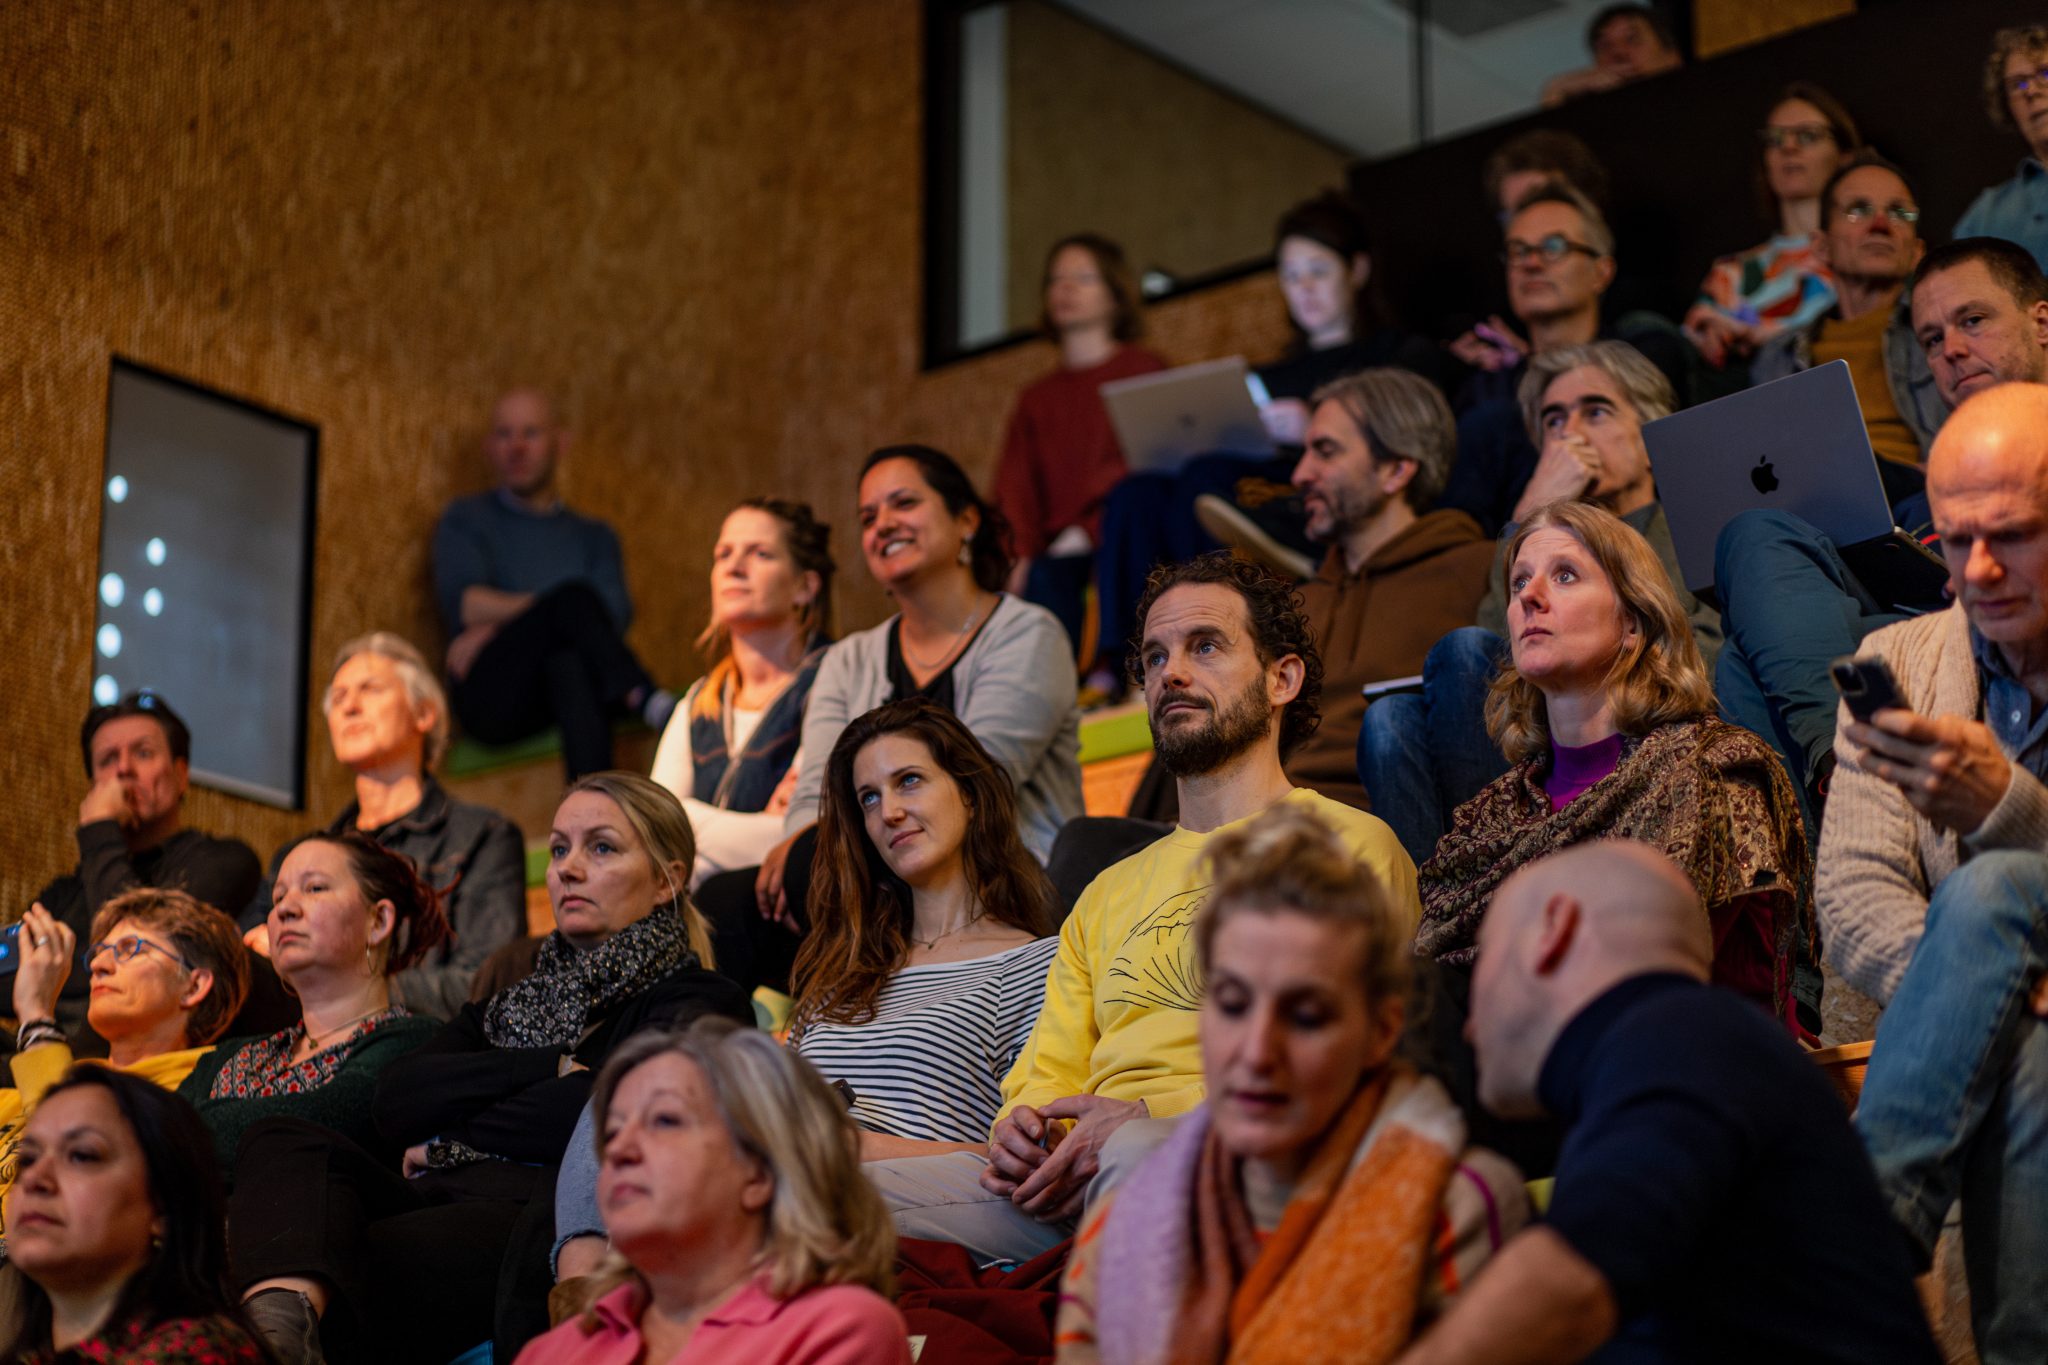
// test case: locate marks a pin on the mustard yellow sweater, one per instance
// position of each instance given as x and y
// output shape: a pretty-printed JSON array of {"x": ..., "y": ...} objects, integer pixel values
[{"x": 1120, "y": 1000}]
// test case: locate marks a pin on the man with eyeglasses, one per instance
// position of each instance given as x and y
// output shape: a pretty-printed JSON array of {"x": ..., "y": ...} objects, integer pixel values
[
  {"x": 2016, "y": 98},
  {"x": 130, "y": 834},
  {"x": 1559, "y": 255},
  {"x": 1870, "y": 240}
]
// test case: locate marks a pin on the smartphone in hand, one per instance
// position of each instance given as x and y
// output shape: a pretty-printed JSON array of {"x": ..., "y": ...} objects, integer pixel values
[{"x": 1866, "y": 685}]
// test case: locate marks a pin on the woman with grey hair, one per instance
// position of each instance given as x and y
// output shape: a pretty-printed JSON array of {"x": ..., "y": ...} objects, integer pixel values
[{"x": 387, "y": 719}]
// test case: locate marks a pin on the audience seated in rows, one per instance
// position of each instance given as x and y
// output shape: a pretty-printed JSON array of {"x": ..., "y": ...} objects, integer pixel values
[
  {"x": 1399, "y": 571},
  {"x": 1933, "y": 887},
  {"x": 131, "y": 834},
  {"x": 347, "y": 915},
  {"x": 342, "y": 1244},
  {"x": 387, "y": 718},
  {"x": 740, "y": 1227},
  {"x": 1710, "y": 1201},
  {"x": 117, "y": 1249},
  {"x": 1559, "y": 255},
  {"x": 1629, "y": 42},
  {"x": 931, "y": 933},
  {"x": 1231, "y": 682},
  {"x": 1341, "y": 322},
  {"x": 729, "y": 752},
  {"x": 168, "y": 975},
  {"x": 1429, "y": 752},
  {"x": 1791, "y": 601},
  {"x": 1870, "y": 241},
  {"x": 2016, "y": 98},
  {"x": 1606, "y": 712},
  {"x": 534, "y": 599},
  {"x": 1000, "y": 664},
  {"x": 1060, "y": 456},
  {"x": 1322, "y": 1201},
  {"x": 1784, "y": 285}
]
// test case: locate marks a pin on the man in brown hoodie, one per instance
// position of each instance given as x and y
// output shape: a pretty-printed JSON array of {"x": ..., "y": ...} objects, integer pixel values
[{"x": 1397, "y": 575}]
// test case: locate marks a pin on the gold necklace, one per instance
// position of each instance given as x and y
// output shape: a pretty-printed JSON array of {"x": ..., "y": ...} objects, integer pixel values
[
  {"x": 313, "y": 1038},
  {"x": 951, "y": 645},
  {"x": 933, "y": 941}
]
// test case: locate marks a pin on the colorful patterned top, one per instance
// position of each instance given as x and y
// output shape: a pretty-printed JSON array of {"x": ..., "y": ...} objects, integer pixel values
[
  {"x": 181, "y": 1341},
  {"x": 264, "y": 1069},
  {"x": 1778, "y": 285}
]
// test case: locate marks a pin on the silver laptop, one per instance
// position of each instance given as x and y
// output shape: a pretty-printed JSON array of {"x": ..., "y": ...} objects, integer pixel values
[
  {"x": 1797, "y": 444},
  {"x": 1162, "y": 419}
]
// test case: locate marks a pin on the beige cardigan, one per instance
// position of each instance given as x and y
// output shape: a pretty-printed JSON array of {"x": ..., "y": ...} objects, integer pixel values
[{"x": 1879, "y": 858}]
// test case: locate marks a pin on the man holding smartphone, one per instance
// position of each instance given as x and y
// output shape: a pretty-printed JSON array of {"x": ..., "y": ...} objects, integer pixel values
[{"x": 1933, "y": 876}]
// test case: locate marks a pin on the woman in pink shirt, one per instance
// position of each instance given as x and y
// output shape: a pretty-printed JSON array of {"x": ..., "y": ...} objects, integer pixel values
[{"x": 741, "y": 1229}]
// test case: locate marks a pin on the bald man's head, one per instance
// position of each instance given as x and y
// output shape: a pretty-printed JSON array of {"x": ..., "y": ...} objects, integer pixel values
[
  {"x": 1987, "y": 483},
  {"x": 1559, "y": 933},
  {"x": 524, "y": 444}
]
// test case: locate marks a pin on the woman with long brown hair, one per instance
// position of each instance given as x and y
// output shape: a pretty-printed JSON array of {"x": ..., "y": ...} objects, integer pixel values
[{"x": 925, "y": 966}]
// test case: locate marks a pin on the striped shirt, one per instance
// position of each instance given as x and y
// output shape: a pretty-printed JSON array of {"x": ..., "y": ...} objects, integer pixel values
[{"x": 930, "y": 1064}]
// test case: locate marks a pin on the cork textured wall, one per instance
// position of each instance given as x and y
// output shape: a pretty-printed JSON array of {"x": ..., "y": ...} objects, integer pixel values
[
  {"x": 1188, "y": 179},
  {"x": 1720, "y": 26},
  {"x": 696, "y": 221}
]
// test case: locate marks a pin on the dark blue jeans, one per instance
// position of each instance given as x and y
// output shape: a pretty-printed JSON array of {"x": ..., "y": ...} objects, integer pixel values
[
  {"x": 1149, "y": 520},
  {"x": 1789, "y": 608},
  {"x": 1060, "y": 585},
  {"x": 1956, "y": 1101},
  {"x": 1423, "y": 755}
]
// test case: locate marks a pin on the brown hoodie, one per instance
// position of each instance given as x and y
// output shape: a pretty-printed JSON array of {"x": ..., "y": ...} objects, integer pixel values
[{"x": 1378, "y": 624}]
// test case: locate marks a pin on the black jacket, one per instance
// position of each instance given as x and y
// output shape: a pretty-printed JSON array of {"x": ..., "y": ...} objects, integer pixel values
[
  {"x": 513, "y": 1102},
  {"x": 475, "y": 858}
]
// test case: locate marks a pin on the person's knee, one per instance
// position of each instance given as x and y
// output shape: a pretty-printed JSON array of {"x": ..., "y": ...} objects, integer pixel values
[
  {"x": 2009, "y": 885},
  {"x": 1463, "y": 652},
  {"x": 1126, "y": 1150},
  {"x": 1748, "y": 534},
  {"x": 268, "y": 1140}
]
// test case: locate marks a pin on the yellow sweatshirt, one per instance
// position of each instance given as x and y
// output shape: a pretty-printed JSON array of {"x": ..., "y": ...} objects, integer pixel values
[
  {"x": 41, "y": 1067},
  {"x": 1120, "y": 1000}
]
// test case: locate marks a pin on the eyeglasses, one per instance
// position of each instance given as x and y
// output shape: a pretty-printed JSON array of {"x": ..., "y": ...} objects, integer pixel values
[
  {"x": 128, "y": 947},
  {"x": 1905, "y": 215},
  {"x": 1800, "y": 135},
  {"x": 1552, "y": 249},
  {"x": 2021, "y": 86}
]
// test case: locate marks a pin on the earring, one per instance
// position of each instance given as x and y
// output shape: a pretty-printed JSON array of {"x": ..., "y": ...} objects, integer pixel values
[{"x": 966, "y": 553}]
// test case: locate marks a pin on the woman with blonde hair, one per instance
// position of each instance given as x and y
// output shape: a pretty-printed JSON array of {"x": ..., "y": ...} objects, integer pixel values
[
  {"x": 729, "y": 752},
  {"x": 1323, "y": 1202},
  {"x": 740, "y": 1226},
  {"x": 424, "y": 1257},
  {"x": 1605, "y": 711}
]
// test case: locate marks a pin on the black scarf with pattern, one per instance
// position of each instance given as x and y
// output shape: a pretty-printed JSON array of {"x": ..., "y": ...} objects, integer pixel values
[{"x": 570, "y": 987}]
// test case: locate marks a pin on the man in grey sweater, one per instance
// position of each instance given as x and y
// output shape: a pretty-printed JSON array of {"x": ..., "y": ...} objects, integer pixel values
[
  {"x": 1933, "y": 876},
  {"x": 534, "y": 598}
]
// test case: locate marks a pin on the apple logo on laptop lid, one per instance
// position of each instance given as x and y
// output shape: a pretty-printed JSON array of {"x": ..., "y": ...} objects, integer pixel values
[{"x": 1762, "y": 476}]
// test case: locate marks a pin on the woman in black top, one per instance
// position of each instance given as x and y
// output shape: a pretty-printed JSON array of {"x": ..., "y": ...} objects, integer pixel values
[{"x": 428, "y": 1262}]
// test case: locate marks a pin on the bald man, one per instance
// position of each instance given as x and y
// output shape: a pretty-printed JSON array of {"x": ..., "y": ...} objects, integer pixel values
[
  {"x": 1711, "y": 1203},
  {"x": 1933, "y": 881},
  {"x": 534, "y": 599}
]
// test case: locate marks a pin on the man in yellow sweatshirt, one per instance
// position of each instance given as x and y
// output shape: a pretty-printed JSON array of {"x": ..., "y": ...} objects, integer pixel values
[{"x": 1232, "y": 682}]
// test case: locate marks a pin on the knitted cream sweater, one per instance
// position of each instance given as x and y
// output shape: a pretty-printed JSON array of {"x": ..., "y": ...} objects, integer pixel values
[{"x": 1879, "y": 858}]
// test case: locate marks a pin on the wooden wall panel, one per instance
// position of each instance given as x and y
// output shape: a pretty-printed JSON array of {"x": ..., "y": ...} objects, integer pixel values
[
  {"x": 1720, "y": 26},
  {"x": 696, "y": 221},
  {"x": 1107, "y": 138}
]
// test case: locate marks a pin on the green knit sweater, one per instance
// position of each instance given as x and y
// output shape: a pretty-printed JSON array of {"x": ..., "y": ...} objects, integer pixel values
[{"x": 342, "y": 1104}]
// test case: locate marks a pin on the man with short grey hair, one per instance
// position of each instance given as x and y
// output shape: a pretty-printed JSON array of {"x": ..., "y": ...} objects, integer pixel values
[{"x": 1399, "y": 572}]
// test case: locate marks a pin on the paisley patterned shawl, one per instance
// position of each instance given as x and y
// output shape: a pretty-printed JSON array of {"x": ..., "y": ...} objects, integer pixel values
[{"x": 1710, "y": 795}]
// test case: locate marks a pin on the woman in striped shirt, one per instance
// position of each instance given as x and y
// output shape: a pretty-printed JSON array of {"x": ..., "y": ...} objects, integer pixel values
[{"x": 925, "y": 967}]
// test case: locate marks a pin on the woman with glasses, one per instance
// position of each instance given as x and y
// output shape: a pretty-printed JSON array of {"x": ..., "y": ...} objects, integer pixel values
[
  {"x": 167, "y": 975},
  {"x": 346, "y": 915},
  {"x": 1748, "y": 298}
]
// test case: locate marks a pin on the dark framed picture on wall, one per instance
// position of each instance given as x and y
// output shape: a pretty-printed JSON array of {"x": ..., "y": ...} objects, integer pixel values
[{"x": 204, "y": 589}]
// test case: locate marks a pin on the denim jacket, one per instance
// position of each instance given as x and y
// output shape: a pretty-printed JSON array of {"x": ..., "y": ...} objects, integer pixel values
[{"x": 1905, "y": 365}]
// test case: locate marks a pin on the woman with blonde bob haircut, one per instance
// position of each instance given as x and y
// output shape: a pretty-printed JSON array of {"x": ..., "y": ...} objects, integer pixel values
[
  {"x": 1606, "y": 713},
  {"x": 1324, "y": 1196},
  {"x": 740, "y": 1224}
]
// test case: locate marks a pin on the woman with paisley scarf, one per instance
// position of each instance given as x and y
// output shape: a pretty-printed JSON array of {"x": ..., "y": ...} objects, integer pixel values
[
  {"x": 426, "y": 1263},
  {"x": 1607, "y": 714},
  {"x": 1323, "y": 1204}
]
